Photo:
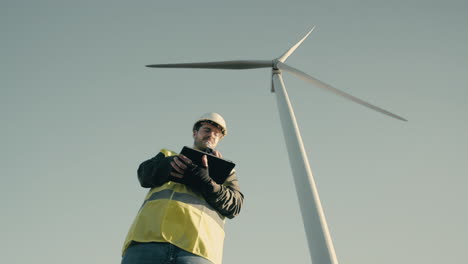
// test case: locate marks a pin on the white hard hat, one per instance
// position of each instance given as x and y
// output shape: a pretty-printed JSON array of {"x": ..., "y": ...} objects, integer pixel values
[{"x": 215, "y": 119}]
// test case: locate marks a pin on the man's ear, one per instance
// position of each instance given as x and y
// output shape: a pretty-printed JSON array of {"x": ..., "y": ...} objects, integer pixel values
[{"x": 194, "y": 132}]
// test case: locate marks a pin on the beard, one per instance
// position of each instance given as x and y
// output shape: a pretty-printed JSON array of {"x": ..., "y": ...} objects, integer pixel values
[{"x": 204, "y": 144}]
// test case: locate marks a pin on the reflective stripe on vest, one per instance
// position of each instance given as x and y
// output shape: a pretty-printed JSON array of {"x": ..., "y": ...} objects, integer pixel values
[{"x": 188, "y": 199}]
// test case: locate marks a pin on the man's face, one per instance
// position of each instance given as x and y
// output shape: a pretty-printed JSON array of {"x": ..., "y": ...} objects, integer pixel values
[{"x": 207, "y": 136}]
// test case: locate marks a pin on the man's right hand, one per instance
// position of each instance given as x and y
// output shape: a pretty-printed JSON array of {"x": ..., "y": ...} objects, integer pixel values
[{"x": 180, "y": 164}]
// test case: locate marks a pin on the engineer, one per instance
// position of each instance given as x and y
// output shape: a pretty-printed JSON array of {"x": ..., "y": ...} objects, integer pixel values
[{"x": 182, "y": 218}]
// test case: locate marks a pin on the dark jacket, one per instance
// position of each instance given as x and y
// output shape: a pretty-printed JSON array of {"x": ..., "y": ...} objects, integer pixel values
[{"x": 227, "y": 201}]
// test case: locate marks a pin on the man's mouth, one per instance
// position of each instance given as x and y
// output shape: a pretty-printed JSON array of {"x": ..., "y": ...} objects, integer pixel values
[{"x": 208, "y": 141}]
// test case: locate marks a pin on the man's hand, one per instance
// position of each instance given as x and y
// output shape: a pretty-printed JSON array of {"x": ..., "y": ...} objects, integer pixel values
[
  {"x": 217, "y": 154},
  {"x": 181, "y": 164},
  {"x": 197, "y": 177}
]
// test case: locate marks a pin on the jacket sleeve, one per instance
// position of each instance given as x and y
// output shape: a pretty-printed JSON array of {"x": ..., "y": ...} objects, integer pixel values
[
  {"x": 228, "y": 200},
  {"x": 155, "y": 171}
]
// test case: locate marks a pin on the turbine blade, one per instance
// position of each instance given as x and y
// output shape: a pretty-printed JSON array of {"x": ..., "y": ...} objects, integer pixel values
[
  {"x": 285, "y": 56},
  {"x": 325, "y": 86},
  {"x": 230, "y": 65}
]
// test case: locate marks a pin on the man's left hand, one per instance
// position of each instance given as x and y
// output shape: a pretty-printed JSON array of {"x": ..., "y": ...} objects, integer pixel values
[{"x": 199, "y": 178}]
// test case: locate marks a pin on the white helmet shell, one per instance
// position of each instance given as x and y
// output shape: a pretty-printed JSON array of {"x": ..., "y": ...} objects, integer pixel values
[{"x": 215, "y": 118}]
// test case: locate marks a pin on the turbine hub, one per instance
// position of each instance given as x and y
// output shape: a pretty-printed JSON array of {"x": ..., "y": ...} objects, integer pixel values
[{"x": 275, "y": 65}]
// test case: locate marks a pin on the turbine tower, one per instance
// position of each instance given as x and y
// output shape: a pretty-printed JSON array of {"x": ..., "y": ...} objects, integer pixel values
[{"x": 318, "y": 236}]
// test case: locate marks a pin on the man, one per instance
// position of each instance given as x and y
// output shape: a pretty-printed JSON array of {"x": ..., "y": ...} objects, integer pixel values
[{"x": 182, "y": 218}]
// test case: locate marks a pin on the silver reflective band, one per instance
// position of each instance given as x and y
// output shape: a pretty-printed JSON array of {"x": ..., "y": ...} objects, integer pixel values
[{"x": 194, "y": 201}]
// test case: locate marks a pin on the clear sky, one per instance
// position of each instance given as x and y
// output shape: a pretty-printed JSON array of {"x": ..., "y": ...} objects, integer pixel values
[{"x": 79, "y": 112}]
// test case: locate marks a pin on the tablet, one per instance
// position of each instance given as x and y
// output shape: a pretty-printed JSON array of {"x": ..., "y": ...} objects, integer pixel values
[{"x": 218, "y": 168}]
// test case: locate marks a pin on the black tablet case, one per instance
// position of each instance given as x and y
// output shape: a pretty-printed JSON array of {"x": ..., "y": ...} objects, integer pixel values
[{"x": 219, "y": 169}]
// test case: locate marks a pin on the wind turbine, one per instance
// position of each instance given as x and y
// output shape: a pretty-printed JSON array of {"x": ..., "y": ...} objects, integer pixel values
[{"x": 318, "y": 236}]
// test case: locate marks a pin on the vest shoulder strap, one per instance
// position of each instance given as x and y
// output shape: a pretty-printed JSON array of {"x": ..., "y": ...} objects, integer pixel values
[{"x": 168, "y": 153}]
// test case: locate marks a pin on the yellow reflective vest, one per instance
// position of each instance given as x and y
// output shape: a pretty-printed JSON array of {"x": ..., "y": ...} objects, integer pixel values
[{"x": 174, "y": 213}]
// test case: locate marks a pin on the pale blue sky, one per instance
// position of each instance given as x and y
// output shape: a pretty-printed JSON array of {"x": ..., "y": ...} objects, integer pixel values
[{"x": 79, "y": 112}]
